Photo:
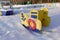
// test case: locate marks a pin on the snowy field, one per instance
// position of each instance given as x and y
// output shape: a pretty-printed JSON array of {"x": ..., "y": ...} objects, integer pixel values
[{"x": 11, "y": 29}]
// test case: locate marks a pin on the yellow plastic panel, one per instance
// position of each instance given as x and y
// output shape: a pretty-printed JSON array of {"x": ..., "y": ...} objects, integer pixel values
[
  {"x": 46, "y": 21},
  {"x": 45, "y": 9},
  {"x": 45, "y": 12},
  {"x": 40, "y": 15},
  {"x": 25, "y": 22},
  {"x": 36, "y": 11},
  {"x": 39, "y": 25},
  {"x": 0, "y": 13}
]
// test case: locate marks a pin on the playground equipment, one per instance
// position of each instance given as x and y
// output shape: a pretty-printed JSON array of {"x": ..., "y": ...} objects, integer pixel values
[
  {"x": 36, "y": 19},
  {"x": 5, "y": 8}
]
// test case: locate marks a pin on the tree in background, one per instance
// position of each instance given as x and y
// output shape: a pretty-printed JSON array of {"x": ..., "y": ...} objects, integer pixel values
[{"x": 33, "y": 1}]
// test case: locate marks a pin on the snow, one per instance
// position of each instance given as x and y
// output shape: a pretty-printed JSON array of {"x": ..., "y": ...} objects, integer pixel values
[{"x": 11, "y": 28}]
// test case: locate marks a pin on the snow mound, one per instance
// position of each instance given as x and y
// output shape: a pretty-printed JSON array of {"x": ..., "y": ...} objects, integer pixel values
[{"x": 11, "y": 28}]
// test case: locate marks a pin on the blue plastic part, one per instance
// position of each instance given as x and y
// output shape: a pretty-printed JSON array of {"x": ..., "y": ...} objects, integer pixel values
[
  {"x": 33, "y": 16},
  {"x": 3, "y": 13},
  {"x": 36, "y": 30},
  {"x": 9, "y": 13}
]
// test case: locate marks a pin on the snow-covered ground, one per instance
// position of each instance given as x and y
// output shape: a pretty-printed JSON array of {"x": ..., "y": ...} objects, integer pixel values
[{"x": 11, "y": 29}]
